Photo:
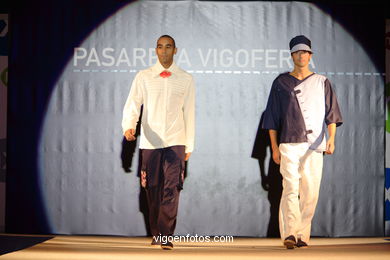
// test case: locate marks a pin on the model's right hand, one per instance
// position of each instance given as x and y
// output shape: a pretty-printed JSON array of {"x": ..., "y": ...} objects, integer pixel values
[
  {"x": 130, "y": 135},
  {"x": 187, "y": 156},
  {"x": 276, "y": 155}
]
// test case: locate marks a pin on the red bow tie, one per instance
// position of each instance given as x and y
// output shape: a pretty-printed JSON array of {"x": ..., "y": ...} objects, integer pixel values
[{"x": 165, "y": 74}]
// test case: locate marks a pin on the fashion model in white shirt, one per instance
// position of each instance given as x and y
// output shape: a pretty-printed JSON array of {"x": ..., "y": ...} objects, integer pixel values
[
  {"x": 167, "y": 94},
  {"x": 168, "y": 117}
]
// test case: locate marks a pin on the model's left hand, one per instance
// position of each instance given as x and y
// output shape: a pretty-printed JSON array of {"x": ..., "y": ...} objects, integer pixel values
[
  {"x": 330, "y": 146},
  {"x": 187, "y": 156}
]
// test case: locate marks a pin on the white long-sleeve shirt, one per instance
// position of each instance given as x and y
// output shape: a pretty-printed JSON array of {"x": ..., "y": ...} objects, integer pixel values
[{"x": 168, "y": 116}]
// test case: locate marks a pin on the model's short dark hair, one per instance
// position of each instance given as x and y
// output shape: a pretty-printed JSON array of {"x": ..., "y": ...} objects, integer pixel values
[{"x": 168, "y": 36}]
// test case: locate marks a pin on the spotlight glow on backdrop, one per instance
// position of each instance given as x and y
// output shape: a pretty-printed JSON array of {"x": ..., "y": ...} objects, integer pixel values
[{"x": 234, "y": 50}]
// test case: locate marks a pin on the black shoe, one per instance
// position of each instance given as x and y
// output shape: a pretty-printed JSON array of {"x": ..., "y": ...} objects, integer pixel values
[
  {"x": 155, "y": 242},
  {"x": 290, "y": 242},
  {"x": 301, "y": 243},
  {"x": 167, "y": 245}
]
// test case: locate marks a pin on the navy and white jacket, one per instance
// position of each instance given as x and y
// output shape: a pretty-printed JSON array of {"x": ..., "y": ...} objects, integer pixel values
[{"x": 300, "y": 109}]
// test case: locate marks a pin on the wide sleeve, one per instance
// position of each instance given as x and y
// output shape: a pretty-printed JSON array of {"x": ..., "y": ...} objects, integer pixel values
[
  {"x": 332, "y": 109},
  {"x": 131, "y": 111},
  {"x": 189, "y": 116},
  {"x": 271, "y": 118}
]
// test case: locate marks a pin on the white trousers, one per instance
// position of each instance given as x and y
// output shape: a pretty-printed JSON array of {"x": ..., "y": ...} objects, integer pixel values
[{"x": 301, "y": 169}]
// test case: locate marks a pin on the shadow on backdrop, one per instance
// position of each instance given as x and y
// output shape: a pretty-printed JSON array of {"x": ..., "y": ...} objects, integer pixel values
[
  {"x": 127, "y": 154},
  {"x": 271, "y": 180}
]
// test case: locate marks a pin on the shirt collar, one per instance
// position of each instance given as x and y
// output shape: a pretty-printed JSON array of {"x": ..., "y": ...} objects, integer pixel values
[{"x": 158, "y": 68}]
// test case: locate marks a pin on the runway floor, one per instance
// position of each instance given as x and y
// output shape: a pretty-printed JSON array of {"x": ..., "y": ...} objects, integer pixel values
[{"x": 107, "y": 247}]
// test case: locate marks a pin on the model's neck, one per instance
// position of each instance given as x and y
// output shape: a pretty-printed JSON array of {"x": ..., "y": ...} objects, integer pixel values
[
  {"x": 301, "y": 72},
  {"x": 167, "y": 65}
]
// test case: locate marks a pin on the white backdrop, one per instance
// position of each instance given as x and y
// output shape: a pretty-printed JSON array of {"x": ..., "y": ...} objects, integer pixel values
[{"x": 234, "y": 50}]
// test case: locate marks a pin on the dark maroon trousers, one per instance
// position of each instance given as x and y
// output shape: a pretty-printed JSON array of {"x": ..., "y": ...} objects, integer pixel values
[{"x": 162, "y": 174}]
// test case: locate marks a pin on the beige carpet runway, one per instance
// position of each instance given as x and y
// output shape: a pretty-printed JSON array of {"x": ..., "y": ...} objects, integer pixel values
[{"x": 106, "y": 247}]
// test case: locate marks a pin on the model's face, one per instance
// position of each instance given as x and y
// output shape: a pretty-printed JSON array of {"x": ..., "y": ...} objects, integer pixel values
[
  {"x": 165, "y": 50},
  {"x": 301, "y": 58}
]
